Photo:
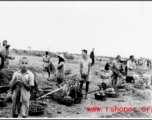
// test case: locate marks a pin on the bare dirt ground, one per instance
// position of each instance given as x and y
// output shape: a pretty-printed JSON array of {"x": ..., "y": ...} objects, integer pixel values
[{"x": 132, "y": 98}]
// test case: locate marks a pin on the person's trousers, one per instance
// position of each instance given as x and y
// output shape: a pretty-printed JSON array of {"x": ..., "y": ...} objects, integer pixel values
[
  {"x": 114, "y": 81},
  {"x": 24, "y": 110},
  {"x": 87, "y": 85}
]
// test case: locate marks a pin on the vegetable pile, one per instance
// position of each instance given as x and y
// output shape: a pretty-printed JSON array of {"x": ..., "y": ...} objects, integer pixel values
[{"x": 36, "y": 107}]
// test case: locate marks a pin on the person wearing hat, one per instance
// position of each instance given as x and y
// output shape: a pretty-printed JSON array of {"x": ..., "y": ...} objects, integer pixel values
[
  {"x": 117, "y": 70},
  {"x": 60, "y": 75},
  {"x": 85, "y": 66},
  {"x": 131, "y": 66}
]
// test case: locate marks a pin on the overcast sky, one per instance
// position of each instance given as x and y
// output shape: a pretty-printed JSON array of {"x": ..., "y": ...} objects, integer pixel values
[{"x": 111, "y": 28}]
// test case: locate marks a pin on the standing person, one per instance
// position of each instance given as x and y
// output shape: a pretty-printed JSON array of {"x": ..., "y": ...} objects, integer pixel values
[
  {"x": 7, "y": 52},
  {"x": 148, "y": 63},
  {"x": 6, "y": 61},
  {"x": 131, "y": 66},
  {"x": 21, "y": 84},
  {"x": 60, "y": 70},
  {"x": 46, "y": 60},
  {"x": 117, "y": 69},
  {"x": 85, "y": 66},
  {"x": 92, "y": 56}
]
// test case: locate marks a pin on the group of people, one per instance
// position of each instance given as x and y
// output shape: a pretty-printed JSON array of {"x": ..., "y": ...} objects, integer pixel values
[
  {"x": 24, "y": 79},
  {"x": 85, "y": 64},
  {"x": 119, "y": 68},
  {"x": 49, "y": 67},
  {"x": 144, "y": 62}
]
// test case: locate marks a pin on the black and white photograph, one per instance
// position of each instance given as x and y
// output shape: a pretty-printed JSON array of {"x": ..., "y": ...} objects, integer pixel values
[{"x": 75, "y": 59}]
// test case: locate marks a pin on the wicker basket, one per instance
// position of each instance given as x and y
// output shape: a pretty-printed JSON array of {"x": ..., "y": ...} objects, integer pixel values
[{"x": 38, "y": 112}]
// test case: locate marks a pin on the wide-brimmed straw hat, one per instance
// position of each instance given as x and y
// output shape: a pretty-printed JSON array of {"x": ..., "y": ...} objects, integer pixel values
[{"x": 61, "y": 56}]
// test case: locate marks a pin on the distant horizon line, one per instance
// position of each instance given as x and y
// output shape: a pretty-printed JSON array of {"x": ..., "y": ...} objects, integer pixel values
[{"x": 67, "y": 52}]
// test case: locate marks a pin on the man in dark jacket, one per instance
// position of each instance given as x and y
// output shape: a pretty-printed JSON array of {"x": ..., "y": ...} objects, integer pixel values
[{"x": 92, "y": 57}]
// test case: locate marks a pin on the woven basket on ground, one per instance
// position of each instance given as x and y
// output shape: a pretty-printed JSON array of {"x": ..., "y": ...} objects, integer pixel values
[{"x": 37, "y": 108}]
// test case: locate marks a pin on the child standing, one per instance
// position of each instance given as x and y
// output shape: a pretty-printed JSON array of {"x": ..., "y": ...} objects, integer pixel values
[{"x": 21, "y": 84}]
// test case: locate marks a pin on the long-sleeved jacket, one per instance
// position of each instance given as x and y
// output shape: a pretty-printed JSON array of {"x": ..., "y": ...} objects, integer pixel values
[{"x": 130, "y": 68}]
